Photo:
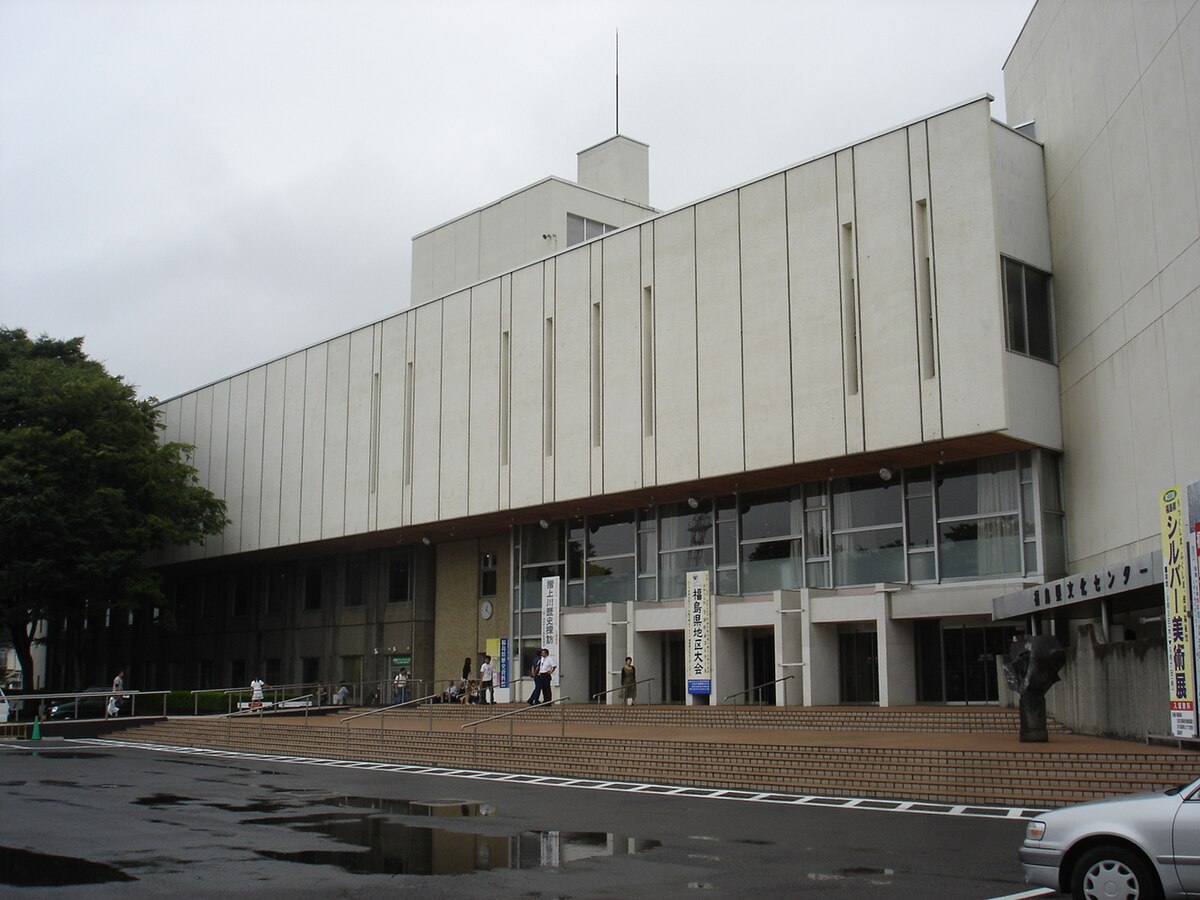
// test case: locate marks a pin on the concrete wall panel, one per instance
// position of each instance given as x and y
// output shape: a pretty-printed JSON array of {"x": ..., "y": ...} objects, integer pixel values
[
  {"x": 484, "y": 440},
  {"x": 621, "y": 341},
  {"x": 455, "y": 405},
  {"x": 426, "y": 449},
  {"x": 527, "y": 452},
  {"x": 337, "y": 404},
  {"x": 360, "y": 436},
  {"x": 851, "y": 305},
  {"x": 675, "y": 347},
  {"x": 819, "y": 417},
  {"x": 314, "y": 442},
  {"x": 392, "y": 369},
  {"x": 718, "y": 311},
  {"x": 272, "y": 455},
  {"x": 256, "y": 412},
  {"x": 218, "y": 455},
  {"x": 766, "y": 324},
  {"x": 572, "y": 374},
  {"x": 891, "y": 378},
  {"x": 967, "y": 270},
  {"x": 235, "y": 461},
  {"x": 292, "y": 466}
]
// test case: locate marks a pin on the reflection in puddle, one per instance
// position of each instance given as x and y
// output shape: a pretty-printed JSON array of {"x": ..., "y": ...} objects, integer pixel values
[
  {"x": 163, "y": 800},
  {"x": 394, "y": 849},
  {"x": 24, "y": 868},
  {"x": 50, "y": 753}
]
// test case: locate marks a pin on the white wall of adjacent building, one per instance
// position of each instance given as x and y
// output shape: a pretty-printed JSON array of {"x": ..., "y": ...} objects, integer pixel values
[{"x": 1114, "y": 89}]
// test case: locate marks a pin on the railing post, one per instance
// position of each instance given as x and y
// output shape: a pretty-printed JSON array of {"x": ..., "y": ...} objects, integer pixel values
[
  {"x": 563, "y": 708},
  {"x": 195, "y": 704}
]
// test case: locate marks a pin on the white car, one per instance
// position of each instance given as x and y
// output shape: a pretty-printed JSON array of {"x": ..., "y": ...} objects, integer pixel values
[{"x": 1124, "y": 848}]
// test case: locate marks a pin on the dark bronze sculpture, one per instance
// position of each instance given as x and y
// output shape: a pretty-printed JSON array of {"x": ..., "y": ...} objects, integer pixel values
[{"x": 1032, "y": 668}]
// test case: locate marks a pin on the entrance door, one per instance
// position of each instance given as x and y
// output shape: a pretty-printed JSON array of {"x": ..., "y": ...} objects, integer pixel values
[
  {"x": 858, "y": 659},
  {"x": 760, "y": 666},
  {"x": 674, "y": 678},
  {"x": 597, "y": 676},
  {"x": 969, "y": 662}
]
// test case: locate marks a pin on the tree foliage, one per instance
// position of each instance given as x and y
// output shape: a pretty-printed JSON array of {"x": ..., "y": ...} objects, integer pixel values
[{"x": 87, "y": 489}]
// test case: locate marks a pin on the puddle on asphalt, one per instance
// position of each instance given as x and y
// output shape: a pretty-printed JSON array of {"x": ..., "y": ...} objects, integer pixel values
[
  {"x": 60, "y": 754},
  {"x": 24, "y": 868},
  {"x": 377, "y": 844},
  {"x": 389, "y": 848}
]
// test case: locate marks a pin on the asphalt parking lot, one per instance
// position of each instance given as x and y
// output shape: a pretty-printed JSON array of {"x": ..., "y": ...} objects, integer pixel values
[{"x": 91, "y": 819}]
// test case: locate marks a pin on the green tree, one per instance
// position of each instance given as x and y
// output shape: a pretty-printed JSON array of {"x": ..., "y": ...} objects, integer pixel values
[{"x": 87, "y": 489}]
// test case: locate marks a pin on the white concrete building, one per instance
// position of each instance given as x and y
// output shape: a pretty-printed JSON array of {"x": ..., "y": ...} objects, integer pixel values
[{"x": 846, "y": 390}]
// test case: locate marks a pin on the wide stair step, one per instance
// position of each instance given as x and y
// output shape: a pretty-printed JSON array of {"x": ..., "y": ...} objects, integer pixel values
[{"x": 659, "y": 755}]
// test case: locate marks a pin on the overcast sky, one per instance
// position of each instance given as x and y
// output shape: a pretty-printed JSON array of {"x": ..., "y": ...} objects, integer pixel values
[{"x": 199, "y": 187}]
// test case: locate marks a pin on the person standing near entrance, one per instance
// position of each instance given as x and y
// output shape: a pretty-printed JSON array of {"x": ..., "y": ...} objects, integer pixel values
[
  {"x": 487, "y": 693},
  {"x": 628, "y": 681},
  {"x": 400, "y": 683}
]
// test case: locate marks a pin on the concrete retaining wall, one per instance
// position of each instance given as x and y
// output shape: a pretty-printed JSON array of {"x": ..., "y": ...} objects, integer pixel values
[{"x": 1112, "y": 689}]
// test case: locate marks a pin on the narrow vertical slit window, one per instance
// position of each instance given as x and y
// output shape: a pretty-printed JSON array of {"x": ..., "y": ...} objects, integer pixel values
[
  {"x": 924, "y": 290},
  {"x": 409, "y": 396},
  {"x": 505, "y": 367},
  {"x": 647, "y": 362},
  {"x": 849, "y": 311},
  {"x": 548, "y": 389},
  {"x": 597, "y": 373},
  {"x": 374, "y": 460}
]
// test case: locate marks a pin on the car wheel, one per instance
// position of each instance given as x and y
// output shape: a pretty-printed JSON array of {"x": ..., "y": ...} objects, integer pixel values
[{"x": 1111, "y": 872}]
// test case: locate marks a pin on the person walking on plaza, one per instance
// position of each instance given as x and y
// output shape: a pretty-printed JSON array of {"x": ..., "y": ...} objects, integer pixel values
[
  {"x": 487, "y": 693},
  {"x": 543, "y": 668},
  {"x": 628, "y": 681},
  {"x": 256, "y": 693},
  {"x": 466, "y": 673},
  {"x": 114, "y": 702}
]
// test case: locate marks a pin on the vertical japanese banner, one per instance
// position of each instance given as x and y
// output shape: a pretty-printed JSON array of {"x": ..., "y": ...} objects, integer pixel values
[
  {"x": 550, "y": 587},
  {"x": 699, "y": 610},
  {"x": 1192, "y": 519},
  {"x": 497, "y": 649},
  {"x": 1178, "y": 614}
]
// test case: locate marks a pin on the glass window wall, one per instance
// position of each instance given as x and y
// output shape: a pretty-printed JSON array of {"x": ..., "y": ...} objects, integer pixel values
[
  {"x": 997, "y": 516},
  {"x": 772, "y": 549},
  {"x": 868, "y": 530}
]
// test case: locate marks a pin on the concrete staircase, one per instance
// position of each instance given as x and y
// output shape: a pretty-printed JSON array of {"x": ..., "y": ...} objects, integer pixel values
[{"x": 954, "y": 755}]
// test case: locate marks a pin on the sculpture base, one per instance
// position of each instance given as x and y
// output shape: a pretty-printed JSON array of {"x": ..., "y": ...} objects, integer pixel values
[{"x": 1033, "y": 718}]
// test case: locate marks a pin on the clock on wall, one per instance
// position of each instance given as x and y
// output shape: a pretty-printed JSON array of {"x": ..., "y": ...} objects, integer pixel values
[{"x": 485, "y": 609}]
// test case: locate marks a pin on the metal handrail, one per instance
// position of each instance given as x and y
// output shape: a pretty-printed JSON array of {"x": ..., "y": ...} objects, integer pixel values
[
  {"x": 75, "y": 695},
  {"x": 510, "y": 715},
  {"x": 380, "y": 712},
  {"x": 763, "y": 685},
  {"x": 600, "y": 706},
  {"x": 270, "y": 704},
  {"x": 785, "y": 679}
]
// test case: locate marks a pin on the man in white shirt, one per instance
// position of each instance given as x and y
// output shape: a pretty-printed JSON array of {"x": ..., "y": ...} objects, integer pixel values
[
  {"x": 487, "y": 693},
  {"x": 543, "y": 668}
]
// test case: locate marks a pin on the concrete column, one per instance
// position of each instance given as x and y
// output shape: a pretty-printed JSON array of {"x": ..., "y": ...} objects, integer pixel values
[{"x": 897, "y": 658}]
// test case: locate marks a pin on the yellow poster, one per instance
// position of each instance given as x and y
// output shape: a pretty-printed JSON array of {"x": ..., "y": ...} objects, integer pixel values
[{"x": 1178, "y": 615}]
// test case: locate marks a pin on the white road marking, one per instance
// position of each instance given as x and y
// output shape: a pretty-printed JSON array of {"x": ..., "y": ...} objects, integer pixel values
[{"x": 869, "y": 804}]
